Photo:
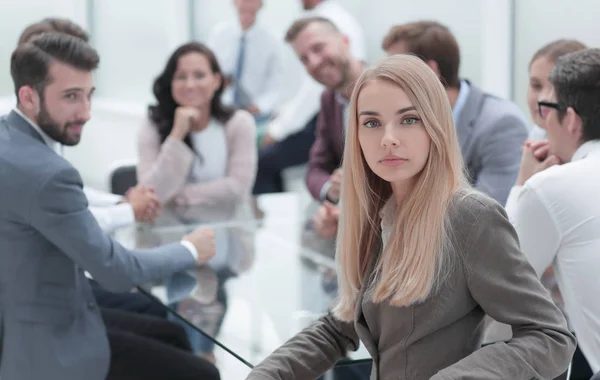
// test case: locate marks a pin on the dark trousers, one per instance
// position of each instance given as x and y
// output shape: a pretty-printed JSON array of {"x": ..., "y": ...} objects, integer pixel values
[
  {"x": 149, "y": 348},
  {"x": 361, "y": 371},
  {"x": 133, "y": 302},
  {"x": 580, "y": 368},
  {"x": 291, "y": 151}
]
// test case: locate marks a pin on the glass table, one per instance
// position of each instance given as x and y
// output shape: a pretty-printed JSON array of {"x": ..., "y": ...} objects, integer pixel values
[{"x": 269, "y": 279}]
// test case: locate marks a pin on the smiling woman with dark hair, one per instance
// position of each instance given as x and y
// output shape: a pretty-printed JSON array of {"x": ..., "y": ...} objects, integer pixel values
[{"x": 193, "y": 149}]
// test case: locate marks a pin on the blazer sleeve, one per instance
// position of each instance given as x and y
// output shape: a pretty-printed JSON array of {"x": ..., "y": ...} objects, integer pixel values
[
  {"x": 321, "y": 160},
  {"x": 500, "y": 149},
  {"x": 60, "y": 214},
  {"x": 241, "y": 166},
  {"x": 504, "y": 284},
  {"x": 163, "y": 166},
  {"x": 310, "y": 353}
]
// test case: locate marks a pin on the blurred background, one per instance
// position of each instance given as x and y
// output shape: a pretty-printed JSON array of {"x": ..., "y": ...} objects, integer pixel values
[{"x": 134, "y": 37}]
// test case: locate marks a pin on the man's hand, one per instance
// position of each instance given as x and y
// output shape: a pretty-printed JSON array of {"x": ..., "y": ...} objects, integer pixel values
[
  {"x": 333, "y": 194},
  {"x": 145, "y": 203},
  {"x": 326, "y": 220},
  {"x": 536, "y": 158},
  {"x": 203, "y": 239}
]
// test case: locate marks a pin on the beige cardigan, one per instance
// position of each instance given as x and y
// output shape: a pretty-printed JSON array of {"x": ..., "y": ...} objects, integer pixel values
[
  {"x": 440, "y": 338},
  {"x": 166, "y": 167}
]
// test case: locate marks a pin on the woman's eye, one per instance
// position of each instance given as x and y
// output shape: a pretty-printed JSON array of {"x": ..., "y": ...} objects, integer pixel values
[
  {"x": 371, "y": 124},
  {"x": 536, "y": 87},
  {"x": 410, "y": 120}
]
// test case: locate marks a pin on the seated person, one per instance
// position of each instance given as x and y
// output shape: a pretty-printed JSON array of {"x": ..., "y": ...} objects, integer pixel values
[
  {"x": 491, "y": 131},
  {"x": 250, "y": 55},
  {"x": 319, "y": 44},
  {"x": 539, "y": 69},
  {"x": 110, "y": 211},
  {"x": 422, "y": 257},
  {"x": 556, "y": 209},
  {"x": 194, "y": 150},
  {"x": 291, "y": 134}
]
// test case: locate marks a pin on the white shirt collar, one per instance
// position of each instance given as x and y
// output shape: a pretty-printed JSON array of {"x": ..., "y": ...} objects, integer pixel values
[
  {"x": 53, "y": 144},
  {"x": 585, "y": 149}
]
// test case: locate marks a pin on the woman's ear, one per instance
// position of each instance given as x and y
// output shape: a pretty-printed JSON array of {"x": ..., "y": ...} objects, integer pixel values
[{"x": 218, "y": 81}]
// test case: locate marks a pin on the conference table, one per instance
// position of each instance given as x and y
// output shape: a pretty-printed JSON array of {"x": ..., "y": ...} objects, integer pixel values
[{"x": 270, "y": 278}]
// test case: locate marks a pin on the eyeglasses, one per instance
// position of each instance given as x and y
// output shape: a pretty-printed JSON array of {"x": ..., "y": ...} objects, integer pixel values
[{"x": 544, "y": 105}]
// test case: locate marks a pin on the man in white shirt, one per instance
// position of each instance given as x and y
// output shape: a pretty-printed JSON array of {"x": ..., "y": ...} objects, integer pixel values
[
  {"x": 250, "y": 58},
  {"x": 556, "y": 208},
  {"x": 291, "y": 134}
]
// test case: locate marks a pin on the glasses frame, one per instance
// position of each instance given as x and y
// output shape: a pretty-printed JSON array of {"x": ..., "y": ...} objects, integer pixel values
[{"x": 557, "y": 106}]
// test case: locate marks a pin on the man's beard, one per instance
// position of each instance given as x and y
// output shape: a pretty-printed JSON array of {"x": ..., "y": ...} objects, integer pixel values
[
  {"x": 53, "y": 129},
  {"x": 345, "y": 78}
]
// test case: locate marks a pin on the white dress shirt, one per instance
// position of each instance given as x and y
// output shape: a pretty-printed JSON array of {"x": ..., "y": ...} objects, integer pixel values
[
  {"x": 296, "y": 113},
  {"x": 105, "y": 207},
  {"x": 107, "y": 215},
  {"x": 262, "y": 74},
  {"x": 557, "y": 217}
]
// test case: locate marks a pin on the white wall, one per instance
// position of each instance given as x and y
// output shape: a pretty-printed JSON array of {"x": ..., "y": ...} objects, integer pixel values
[
  {"x": 16, "y": 15},
  {"x": 541, "y": 21}
]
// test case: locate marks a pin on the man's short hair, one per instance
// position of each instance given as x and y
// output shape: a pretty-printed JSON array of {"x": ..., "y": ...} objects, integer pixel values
[
  {"x": 299, "y": 25},
  {"x": 430, "y": 41},
  {"x": 576, "y": 81},
  {"x": 30, "y": 62},
  {"x": 53, "y": 25}
]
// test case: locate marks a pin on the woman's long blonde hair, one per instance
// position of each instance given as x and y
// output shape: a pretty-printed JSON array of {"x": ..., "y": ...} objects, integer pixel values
[{"x": 410, "y": 264}]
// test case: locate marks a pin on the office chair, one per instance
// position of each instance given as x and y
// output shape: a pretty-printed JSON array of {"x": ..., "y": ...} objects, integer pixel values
[{"x": 122, "y": 178}]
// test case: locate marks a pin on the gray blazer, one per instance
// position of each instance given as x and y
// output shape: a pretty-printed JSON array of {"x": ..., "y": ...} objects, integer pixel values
[
  {"x": 491, "y": 132},
  {"x": 50, "y": 325},
  {"x": 440, "y": 338}
]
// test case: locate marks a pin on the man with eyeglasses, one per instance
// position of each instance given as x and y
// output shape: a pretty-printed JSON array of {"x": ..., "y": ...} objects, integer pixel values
[{"x": 555, "y": 205}]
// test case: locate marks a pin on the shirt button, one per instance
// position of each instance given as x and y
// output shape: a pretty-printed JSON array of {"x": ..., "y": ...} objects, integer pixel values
[{"x": 91, "y": 306}]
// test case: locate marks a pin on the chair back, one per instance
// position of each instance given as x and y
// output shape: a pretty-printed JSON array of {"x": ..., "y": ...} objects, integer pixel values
[{"x": 122, "y": 179}]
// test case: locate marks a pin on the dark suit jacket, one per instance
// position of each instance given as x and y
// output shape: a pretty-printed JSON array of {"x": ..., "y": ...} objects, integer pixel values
[
  {"x": 491, "y": 132},
  {"x": 328, "y": 149},
  {"x": 439, "y": 338}
]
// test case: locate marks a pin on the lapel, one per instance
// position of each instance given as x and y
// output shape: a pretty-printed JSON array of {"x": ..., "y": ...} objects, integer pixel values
[
  {"x": 15, "y": 120},
  {"x": 468, "y": 116},
  {"x": 360, "y": 325},
  {"x": 338, "y": 133},
  {"x": 362, "y": 329}
]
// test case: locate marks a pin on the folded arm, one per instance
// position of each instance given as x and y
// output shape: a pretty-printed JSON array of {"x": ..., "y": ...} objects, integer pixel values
[
  {"x": 164, "y": 166},
  {"x": 241, "y": 166},
  {"x": 505, "y": 285}
]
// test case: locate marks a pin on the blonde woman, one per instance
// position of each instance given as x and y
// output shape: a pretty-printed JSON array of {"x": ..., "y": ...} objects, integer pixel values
[{"x": 421, "y": 257}]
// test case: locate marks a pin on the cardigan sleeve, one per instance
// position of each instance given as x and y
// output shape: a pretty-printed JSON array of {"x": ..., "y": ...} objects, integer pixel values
[
  {"x": 163, "y": 166},
  {"x": 241, "y": 166}
]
